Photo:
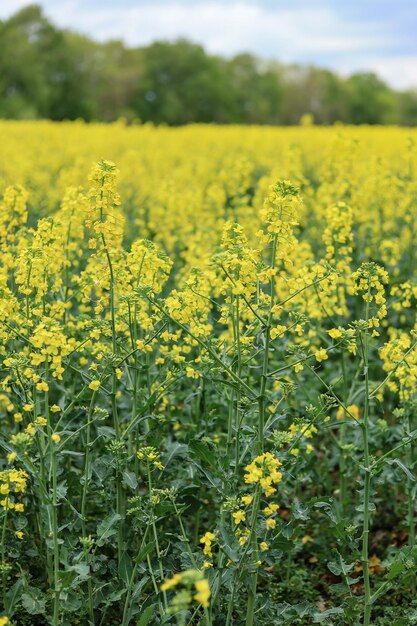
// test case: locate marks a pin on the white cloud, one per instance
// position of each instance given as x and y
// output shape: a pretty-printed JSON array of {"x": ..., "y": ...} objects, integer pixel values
[
  {"x": 226, "y": 29},
  {"x": 8, "y": 7},
  {"x": 398, "y": 71}
]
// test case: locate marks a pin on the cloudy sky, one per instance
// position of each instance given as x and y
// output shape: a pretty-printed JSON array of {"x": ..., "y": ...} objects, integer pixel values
[{"x": 378, "y": 35}]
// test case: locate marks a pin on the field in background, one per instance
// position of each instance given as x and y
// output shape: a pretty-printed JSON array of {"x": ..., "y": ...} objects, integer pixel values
[{"x": 209, "y": 366}]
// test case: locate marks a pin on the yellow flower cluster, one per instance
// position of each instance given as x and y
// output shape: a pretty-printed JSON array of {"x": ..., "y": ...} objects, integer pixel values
[
  {"x": 281, "y": 213},
  {"x": 353, "y": 410},
  {"x": 151, "y": 456},
  {"x": 399, "y": 355},
  {"x": 194, "y": 587},
  {"x": 302, "y": 430},
  {"x": 207, "y": 541},
  {"x": 102, "y": 181},
  {"x": 50, "y": 346},
  {"x": 264, "y": 470},
  {"x": 270, "y": 522},
  {"x": 369, "y": 281},
  {"x": 12, "y": 481}
]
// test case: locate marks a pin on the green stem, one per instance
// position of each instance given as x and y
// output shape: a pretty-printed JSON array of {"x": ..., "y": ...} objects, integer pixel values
[
  {"x": 231, "y": 603},
  {"x": 119, "y": 494},
  {"x": 342, "y": 436},
  {"x": 367, "y": 478},
  {"x": 132, "y": 580},
  {"x": 252, "y": 541},
  {"x": 56, "y": 609},
  {"x": 155, "y": 535},
  {"x": 184, "y": 536},
  {"x": 288, "y": 568},
  {"x": 237, "y": 398},
  {"x": 3, "y": 554},
  {"x": 265, "y": 361},
  {"x": 261, "y": 436},
  {"x": 205, "y": 346},
  {"x": 411, "y": 498},
  {"x": 52, "y": 447},
  {"x": 86, "y": 472}
]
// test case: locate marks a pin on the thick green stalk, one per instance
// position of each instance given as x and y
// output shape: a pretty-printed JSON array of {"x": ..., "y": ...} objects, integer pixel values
[
  {"x": 342, "y": 436},
  {"x": 411, "y": 504},
  {"x": 56, "y": 602},
  {"x": 119, "y": 495},
  {"x": 42, "y": 440},
  {"x": 184, "y": 535},
  {"x": 367, "y": 479},
  {"x": 252, "y": 542},
  {"x": 3, "y": 554},
  {"x": 262, "y": 398},
  {"x": 239, "y": 373},
  {"x": 265, "y": 361},
  {"x": 155, "y": 535},
  {"x": 133, "y": 334},
  {"x": 231, "y": 603},
  {"x": 220, "y": 566},
  {"x": 261, "y": 436},
  {"x": 132, "y": 580},
  {"x": 86, "y": 472},
  {"x": 54, "y": 529}
]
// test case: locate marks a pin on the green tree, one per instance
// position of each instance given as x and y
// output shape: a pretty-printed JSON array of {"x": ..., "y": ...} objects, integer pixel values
[
  {"x": 23, "y": 89},
  {"x": 369, "y": 100},
  {"x": 180, "y": 83},
  {"x": 407, "y": 107},
  {"x": 44, "y": 72},
  {"x": 47, "y": 72},
  {"x": 257, "y": 90}
]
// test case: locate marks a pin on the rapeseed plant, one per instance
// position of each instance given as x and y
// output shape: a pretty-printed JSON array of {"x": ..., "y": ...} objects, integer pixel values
[{"x": 208, "y": 374}]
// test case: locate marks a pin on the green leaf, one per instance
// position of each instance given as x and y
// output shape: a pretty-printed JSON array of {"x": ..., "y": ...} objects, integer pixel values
[
  {"x": 319, "y": 618},
  {"x": 302, "y": 608},
  {"x": 174, "y": 450},
  {"x": 229, "y": 544},
  {"x": 299, "y": 511},
  {"x": 201, "y": 450},
  {"x": 33, "y": 602},
  {"x": 13, "y": 595},
  {"x": 130, "y": 480},
  {"x": 335, "y": 568},
  {"x": 146, "y": 615},
  {"x": 107, "y": 527},
  {"x": 70, "y": 600},
  {"x": 328, "y": 508},
  {"x": 61, "y": 491},
  {"x": 371, "y": 508},
  {"x": 401, "y": 465},
  {"x": 83, "y": 572},
  {"x": 143, "y": 553},
  {"x": 106, "y": 432},
  {"x": 125, "y": 568},
  {"x": 340, "y": 567},
  {"x": 215, "y": 482},
  {"x": 396, "y": 568}
]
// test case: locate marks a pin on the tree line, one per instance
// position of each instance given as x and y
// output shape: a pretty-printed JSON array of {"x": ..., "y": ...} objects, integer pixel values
[{"x": 48, "y": 72}]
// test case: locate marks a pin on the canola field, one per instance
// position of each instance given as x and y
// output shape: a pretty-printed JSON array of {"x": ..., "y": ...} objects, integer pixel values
[{"x": 208, "y": 355}]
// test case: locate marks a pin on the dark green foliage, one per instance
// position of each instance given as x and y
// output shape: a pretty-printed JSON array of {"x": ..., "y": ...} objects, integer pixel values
[{"x": 46, "y": 72}]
